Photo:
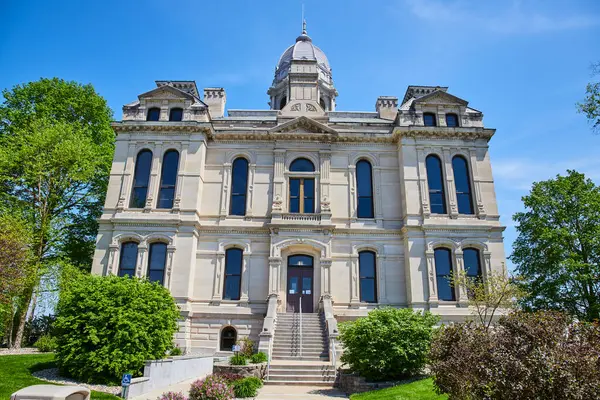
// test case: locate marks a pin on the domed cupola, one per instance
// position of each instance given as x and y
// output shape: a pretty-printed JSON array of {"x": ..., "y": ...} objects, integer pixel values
[{"x": 301, "y": 68}]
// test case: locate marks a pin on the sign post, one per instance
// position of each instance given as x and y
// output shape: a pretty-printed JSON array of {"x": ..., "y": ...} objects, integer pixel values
[{"x": 125, "y": 382}]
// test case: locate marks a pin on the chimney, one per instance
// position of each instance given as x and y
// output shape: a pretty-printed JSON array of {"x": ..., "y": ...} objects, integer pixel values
[
  {"x": 215, "y": 99},
  {"x": 387, "y": 107}
]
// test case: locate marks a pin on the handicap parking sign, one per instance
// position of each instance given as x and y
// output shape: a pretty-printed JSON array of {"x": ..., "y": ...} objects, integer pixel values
[{"x": 126, "y": 381}]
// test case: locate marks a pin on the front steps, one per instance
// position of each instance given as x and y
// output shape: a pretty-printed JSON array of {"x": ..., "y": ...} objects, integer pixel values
[{"x": 293, "y": 364}]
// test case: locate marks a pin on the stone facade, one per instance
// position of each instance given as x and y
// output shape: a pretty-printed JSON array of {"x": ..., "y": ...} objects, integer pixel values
[{"x": 198, "y": 228}]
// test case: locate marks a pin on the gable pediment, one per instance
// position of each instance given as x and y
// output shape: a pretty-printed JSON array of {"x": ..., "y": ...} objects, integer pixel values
[
  {"x": 441, "y": 98},
  {"x": 166, "y": 92},
  {"x": 303, "y": 125}
]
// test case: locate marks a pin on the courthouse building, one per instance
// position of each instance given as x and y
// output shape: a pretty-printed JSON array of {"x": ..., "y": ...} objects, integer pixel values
[{"x": 245, "y": 215}]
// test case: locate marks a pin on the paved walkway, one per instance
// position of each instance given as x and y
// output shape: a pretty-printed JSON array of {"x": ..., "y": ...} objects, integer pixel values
[{"x": 267, "y": 392}]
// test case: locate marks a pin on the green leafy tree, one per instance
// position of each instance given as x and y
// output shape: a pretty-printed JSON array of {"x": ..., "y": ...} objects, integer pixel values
[
  {"x": 108, "y": 325},
  {"x": 56, "y": 148},
  {"x": 557, "y": 252},
  {"x": 591, "y": 104}
]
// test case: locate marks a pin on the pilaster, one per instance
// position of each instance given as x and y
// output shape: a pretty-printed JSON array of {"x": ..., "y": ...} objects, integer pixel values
[
  {"x": 450, "y": 187},
  {"x": 354, "y": 278},
  {"x": 431, "y": 278},
  {"x": 153, "y": 185},
  {"x": 218, "y": 281},
  {"x": 225, "y": 190},
  {"x": 126, "y": 183},
  {"x": 141, "y": 261},
  {"x": 481, "y": 212}
]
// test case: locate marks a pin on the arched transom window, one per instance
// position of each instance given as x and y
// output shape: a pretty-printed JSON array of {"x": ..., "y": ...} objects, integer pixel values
[
  {"x": 302, "y": 189},
  {"x": 228, "y": 338},
  {"x": 141, "y": 178}
]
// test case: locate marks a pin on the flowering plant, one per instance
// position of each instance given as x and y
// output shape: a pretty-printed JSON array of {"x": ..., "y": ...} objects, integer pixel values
[
  {"x": 230, "y": 377},
  {"x": 213, "y": 387},
  {"x": 172, "y": 396}
]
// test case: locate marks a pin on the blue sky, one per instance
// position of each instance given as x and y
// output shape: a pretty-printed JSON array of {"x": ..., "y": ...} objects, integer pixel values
[{"x": 523, "y": 63}]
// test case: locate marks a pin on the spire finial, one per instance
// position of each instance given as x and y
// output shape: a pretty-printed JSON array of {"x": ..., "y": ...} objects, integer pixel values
[{"x": 303, "y": 21}]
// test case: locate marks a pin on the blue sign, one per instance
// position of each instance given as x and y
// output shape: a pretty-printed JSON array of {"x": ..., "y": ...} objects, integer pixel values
[
  {"x": 126, "y": 381},
  {"x": 236, "y": 347}
]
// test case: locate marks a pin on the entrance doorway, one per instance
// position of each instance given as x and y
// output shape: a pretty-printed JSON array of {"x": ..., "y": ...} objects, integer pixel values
[{"x": 300, "y": 272}]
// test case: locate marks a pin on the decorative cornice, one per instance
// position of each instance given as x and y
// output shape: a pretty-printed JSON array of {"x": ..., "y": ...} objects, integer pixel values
[
  {"x": 436, "y": 132},
  {"x": 162, "y": 127}
]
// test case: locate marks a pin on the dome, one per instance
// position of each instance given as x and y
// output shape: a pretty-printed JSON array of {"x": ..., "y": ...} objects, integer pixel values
[{"x": 303, "y": 49}]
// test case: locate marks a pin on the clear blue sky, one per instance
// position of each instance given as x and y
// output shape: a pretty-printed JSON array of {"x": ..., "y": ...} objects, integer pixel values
[{"x": 523, "y": 63}]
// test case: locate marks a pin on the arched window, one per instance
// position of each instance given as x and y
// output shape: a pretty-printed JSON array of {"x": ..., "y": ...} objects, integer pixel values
[
  {"x": 429, "y": 119},
  {"x": 364, "y": 185},
  {"x": 435, "y": 180},
  {"x": 156, "y": 262},
  {"x": 141, "y": 178},
  {"x": 228, "y": 338},
  {"x": 128, "y": 259},
  {"x": 322, "y": 104},
  {"x": 282, "y": 102},
  {"x": 302, "y": 189},
  {"x": 168, "y": 179},
  {"x": 153, "y": 114},
  {"x": 472, "y": 263},
  {"x": 367, "y": 275},
  {"x": 176, "y": 114},
  {"x": 452, "y": 120},
  {"x": 239, "y": 186},
  {"x": 462, "y": 181},
  {"x": 233, "y": 274},
  {"x": 443, "y": 272}
]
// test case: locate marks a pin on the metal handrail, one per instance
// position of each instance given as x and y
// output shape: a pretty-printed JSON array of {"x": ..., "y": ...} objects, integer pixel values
[{"x": 300, "y": 328}]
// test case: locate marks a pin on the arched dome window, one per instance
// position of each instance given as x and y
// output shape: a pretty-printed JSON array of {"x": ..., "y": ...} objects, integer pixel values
[
  {"x": 228, "y": 338},
  {"x": 302, "y": 165}
]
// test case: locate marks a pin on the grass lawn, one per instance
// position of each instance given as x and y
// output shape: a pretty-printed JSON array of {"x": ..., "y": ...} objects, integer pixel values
[
  {"x": 15, "y": 374},
  {"x": 418, "y": 390}
]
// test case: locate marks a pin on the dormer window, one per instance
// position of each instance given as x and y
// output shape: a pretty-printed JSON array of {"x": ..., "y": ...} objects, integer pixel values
[
  {"x": 429, "y": 119},
  {"x": 452, "y": 120},
  {"x": 176, "y": 114},
  {"x": 153, "y": 114}
]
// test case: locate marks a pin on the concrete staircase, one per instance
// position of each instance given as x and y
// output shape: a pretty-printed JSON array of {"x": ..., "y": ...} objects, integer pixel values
[{"x": 290, "y": 366}]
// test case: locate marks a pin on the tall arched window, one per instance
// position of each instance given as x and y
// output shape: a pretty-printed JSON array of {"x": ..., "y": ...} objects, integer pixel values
[
  {"x": 228, "y": 338},
  {"x": 435, "y": 180},
  {"x": 367, "y": 275},
  {"x": 128, "y": 259},
  {"x": 302, "y": 189},
  {"x": 153, "y": 114},
  {"x": 452, "y": 120},
  {"x": 141, "y": 178},
  {"x": 429, "y": 119},
  {"x": 364, "y": 185},
  {"x": 233, "y": 274},
  {"x": 443, "y": 272},
  {"x": 282, "y": 102},
  {"x": 176, "y": 114},
  {"x": 168, "y": 179},
  {"x": 472, "y": 263},
  {"x": 462, "y": 181},
  {"x": 239, "y": 186},
  {"x": 156, "y": 262}
]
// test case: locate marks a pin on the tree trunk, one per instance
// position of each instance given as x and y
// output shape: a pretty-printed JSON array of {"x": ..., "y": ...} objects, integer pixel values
[
  {"x": 21, "y": 317},
  {"x": 32, "y": 307}
]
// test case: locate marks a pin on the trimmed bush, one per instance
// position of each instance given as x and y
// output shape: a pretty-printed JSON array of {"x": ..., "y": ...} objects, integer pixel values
[
  {"x": 238, "y": 359},
  {"x": 388, "y": 344},
  {"x": 213, "y": 387},
  {"x": 175, "y": 351},
  {"x": 45, "y": 344},
  {"x": 247, "y": 387},
  {"x": 108, "y": 325},
  {"x": 258, "y": 358},
  {"x": 543, "y": 355},
  {"x": 172, "y": 396}
]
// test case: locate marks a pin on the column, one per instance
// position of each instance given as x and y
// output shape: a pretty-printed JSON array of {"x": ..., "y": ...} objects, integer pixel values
[
  {"x": 381, "y": 274},
  {"x": 450, "y": 187},
  {"x": 352, "y": 212},
  {"x": 180, "y": 177},
  {"x": 274, "y": 275},
  {"x": 170, "y": 255},
  {"x": 487, "y": 260},
  {"x": 481, "y": 212},
  {"x": 250, "y": 201},
  {"x": 218, "y": 283},
  {"x": 113, "y": 259},
  {"x": 377, "y": 194},
  {"x": 354, "y": 277},
  {"x": 326, "y": 276},
  {"x": 433, "y": 296},
  {"x": 279, "y": 195},
  {"x": 325, "y": 169},
  {"x": 141, "y": 261},
  {"x": 126, "y": 181},
  {"x": 225, "y": 189},
  {"x": 245, "y": 278},
  {"x": 463, "y": 299},
  {"x": 423, "y": 188}
]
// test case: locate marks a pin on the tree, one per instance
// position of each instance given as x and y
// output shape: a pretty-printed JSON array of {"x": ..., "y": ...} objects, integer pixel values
[
  {"x": 557, "y": 252},
  {"x": 591, "y": 104},
  {"x": 497, "y": 293},
  {"x": 56, "y": 148}
]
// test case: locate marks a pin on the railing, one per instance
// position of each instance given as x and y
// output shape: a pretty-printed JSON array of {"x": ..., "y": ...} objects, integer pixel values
[
  {"x": 269, "y": 358},
  {"x": 300, "y": 327},
  {"x": 333, "y": 352},
  {"x": 301, "y": 217}
]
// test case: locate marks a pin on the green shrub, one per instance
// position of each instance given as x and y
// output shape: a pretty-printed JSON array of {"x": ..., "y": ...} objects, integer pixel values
[
  {"x": 246, "y": 347},
  {"x": 247, "y": 387},
  {"x": 108, "y": 325},
  {"x": 542, "y": 355},
  {"x": 175, "y": 351},
  {"x": 45, "y": 344},
  {"x": 388, "y": 344},
  {"x": 258, "y": 358},
  {"x": 238, "y": 359}
]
